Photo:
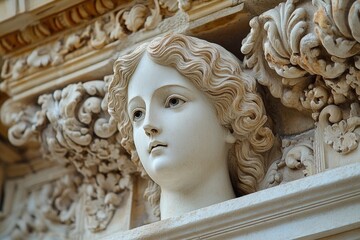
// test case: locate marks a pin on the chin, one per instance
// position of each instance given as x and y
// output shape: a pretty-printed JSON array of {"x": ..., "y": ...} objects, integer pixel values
[
  {"x": 162, "y": 165},
  {"x": 163, "y": 168}
]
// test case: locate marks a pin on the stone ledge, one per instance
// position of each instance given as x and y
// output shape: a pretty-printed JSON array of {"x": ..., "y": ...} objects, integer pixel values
[{"x": 317, "y": 206}]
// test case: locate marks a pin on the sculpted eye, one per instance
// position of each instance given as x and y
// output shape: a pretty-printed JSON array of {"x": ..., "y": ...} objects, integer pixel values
[
  {"x": 137, "y": 115},
  {"x": 174, "y": 101}
]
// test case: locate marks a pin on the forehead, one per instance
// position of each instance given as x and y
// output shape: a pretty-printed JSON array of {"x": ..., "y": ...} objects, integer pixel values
[{"x": 149, "y": 76}]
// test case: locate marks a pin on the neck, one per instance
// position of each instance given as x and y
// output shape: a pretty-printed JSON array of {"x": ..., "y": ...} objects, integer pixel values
[{"x": 214, "y": 188}]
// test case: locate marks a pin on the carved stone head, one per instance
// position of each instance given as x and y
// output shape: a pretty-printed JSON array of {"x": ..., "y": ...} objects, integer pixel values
[{"x": 208, "y": 70}]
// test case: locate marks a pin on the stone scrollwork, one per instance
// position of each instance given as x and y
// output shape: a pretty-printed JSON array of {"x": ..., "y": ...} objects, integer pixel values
[
  {"x": 76, "y": 129},
  {"x": 299, "y": 155},
  {"x": 297, "y": 161},
  {"x": 24, "y": 123},
  {"x": 307, "y": 53},
  {"x": 81, "y": 131}
]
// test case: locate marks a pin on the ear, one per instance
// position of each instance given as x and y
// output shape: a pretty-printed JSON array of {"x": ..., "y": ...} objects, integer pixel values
[{"x": 230, "y": 138}]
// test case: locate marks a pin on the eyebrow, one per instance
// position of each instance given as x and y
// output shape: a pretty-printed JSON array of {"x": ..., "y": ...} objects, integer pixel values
[{"x": 162, "y": 88}]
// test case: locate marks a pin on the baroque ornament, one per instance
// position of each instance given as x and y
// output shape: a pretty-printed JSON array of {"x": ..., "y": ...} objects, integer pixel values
[
  {"x": 49, "y": 212},
  {"x": 341, "y": 134},
  {"x": 307, "y": 53},
  {"x": 297, "y": 161},
  {"x": 73, "y": 127},
  {"x": 55, "y": 24},
  {"x": 112, "y": 26}
]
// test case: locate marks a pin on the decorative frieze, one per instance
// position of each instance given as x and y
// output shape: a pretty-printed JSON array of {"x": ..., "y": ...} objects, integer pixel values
[
  {"x": 110, "y": 27},
  {"x": 55, "y": 24}
]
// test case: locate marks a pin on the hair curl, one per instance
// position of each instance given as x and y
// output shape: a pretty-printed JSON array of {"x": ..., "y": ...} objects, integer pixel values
[{"x": 218, "y": 74}]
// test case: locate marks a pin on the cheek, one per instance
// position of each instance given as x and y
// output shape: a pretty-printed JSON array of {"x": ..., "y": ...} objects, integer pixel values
[
  {"x": 198, "y": 129},
  {"x": 139, "y": 142},
  {"x": 204, "y": 136}
]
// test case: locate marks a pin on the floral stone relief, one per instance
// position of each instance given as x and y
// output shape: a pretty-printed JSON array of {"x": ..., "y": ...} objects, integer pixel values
[{"x": 50, "y": 211}]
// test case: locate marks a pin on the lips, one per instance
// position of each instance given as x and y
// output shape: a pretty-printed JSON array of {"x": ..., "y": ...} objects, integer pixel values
[{"x": 156, "y": 144}]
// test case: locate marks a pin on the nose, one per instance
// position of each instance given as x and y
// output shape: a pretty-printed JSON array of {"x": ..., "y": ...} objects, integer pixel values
[
  {"x": 151, "y": 124},
  {"x": 151, "y": 130}
]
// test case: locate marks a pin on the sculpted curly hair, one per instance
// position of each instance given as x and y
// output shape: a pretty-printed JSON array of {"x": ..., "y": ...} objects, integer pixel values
[{"x": 217, "y": 73}]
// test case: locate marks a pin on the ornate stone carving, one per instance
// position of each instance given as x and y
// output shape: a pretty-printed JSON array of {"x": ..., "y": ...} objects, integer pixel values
[
  {"x": 49, "y": 211},
  {"x": 113, "y": 26},
  {"x": 307, "y": 55},
  {"x": 341, "y": 132},
  {"x": 87, "y": 11},
  {"x": 81, "y": 131},
  {"x": 66, "y": 19},
  {"x": 297, "y": 161},
  {"x": 73, "y": 126},
  {"x": 24, "y": 123}
]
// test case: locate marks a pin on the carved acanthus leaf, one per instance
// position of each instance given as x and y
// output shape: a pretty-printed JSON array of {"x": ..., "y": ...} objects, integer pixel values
[
  {"x": 39, "y": 58},
  {"x": 155, "y": 18},
  {"x": 135, "y": 18},
  {"x": 307, "y": 53}
]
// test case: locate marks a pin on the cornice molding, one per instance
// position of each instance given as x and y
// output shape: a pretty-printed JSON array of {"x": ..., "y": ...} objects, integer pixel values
[
  {"x": 75, "y": 15},
  {"x": 295, "y": 206},
  {"x": 52, "y": 25}
]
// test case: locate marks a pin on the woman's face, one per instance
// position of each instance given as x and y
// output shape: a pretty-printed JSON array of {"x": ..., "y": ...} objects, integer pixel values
[{"x": 177, "y": 135}]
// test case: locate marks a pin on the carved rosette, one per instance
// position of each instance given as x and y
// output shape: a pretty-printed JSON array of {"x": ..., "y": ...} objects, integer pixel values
[
  {"x": 73, "y": 127},
  {"x": 341, "y": 130},
  {"x": 307, "y": 53}
]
